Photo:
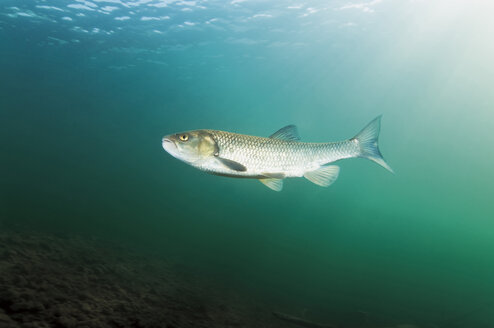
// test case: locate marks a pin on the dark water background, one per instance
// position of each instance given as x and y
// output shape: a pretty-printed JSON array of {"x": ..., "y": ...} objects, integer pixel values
[{"x": 83, "y": 112}]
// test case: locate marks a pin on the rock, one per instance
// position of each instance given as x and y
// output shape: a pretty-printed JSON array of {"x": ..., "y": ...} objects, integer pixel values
[
  {"x": 67, "y": 321},
  {"x": 27, "y": 306},
  {"x": 6, "y": 321}
]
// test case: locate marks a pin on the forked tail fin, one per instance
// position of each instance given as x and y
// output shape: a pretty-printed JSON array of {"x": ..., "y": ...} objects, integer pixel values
[{"x": 367, "y": 140}]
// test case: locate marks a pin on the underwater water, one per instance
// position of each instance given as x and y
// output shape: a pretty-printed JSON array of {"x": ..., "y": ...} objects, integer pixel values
[{"x": 89, "y": 88}]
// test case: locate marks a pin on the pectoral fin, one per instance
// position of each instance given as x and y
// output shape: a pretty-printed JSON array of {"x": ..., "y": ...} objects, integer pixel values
[
  {"x": 274, "y": 184},
  {"x": 323, "y": 176},
  {"x": 232, "y": 165}
]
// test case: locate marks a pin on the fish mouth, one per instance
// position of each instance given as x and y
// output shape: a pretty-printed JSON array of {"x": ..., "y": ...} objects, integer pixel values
[
  {"x": 167, "y": 142},
  {"x": 169, "y": 146}
]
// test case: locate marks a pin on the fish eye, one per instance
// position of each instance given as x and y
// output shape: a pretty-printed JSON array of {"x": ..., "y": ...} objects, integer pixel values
[{"x": 183, "y": 137}]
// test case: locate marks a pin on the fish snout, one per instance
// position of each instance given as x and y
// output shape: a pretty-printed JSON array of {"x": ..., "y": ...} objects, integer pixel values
[{"x": 168, "y": 144}]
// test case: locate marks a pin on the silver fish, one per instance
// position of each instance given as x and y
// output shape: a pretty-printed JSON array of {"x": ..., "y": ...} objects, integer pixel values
[{"x": 272, "y": 159}]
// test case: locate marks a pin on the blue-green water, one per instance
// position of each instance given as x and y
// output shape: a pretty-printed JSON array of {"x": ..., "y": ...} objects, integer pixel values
[{"x": 88, "y": 89}]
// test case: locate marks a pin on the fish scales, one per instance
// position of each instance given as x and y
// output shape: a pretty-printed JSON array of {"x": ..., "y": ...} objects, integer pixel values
[{"x": 268, "y": 155}]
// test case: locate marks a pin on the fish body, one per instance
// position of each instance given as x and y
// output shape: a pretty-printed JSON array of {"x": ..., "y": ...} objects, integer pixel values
[
  {"x": 273, "y": 156},
  {"x": 272, "y": 159}
]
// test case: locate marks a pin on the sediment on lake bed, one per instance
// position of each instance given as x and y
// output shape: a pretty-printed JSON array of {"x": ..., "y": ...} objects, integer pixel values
[{"x": 57, "y": 281}]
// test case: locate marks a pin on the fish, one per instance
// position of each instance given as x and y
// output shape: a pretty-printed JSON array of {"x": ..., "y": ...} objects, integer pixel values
[{"x": 275, "y": 158}]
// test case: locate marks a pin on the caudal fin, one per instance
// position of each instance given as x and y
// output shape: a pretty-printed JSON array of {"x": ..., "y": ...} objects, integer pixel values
[{"x": 367, "y": 140}]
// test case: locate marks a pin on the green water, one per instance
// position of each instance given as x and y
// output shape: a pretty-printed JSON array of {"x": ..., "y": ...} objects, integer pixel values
[{"x": 83, "y": 111}]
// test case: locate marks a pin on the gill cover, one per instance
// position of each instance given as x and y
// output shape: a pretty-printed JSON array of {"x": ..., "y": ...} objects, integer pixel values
[{"x": 206, "y": 144}]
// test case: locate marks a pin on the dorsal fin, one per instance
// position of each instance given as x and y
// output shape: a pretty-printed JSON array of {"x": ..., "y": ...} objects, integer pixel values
[{"x": 289, "y": 132}]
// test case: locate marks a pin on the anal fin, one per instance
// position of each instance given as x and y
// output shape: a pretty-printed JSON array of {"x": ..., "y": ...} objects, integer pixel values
[
  {"x": 323, "y": 176},
  {"x": 272, "y": 183}
]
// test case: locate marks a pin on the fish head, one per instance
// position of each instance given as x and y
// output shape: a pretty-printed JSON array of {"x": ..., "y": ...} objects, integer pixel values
[{"x": 191, "y": 147}]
